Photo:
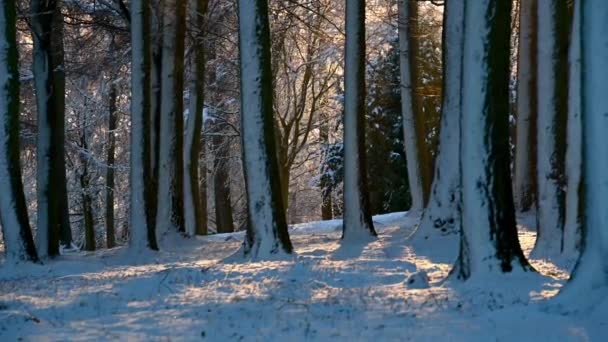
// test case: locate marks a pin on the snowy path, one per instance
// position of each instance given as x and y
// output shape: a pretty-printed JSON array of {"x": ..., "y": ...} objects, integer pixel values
[{"x": 327, "y": 293}]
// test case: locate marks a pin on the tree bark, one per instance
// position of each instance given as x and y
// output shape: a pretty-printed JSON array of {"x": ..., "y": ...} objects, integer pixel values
[
  {"x": 221, "y": 184},
  {"x": 87, "y": 209},
  {"x": 16, "y": 231},
  {"x": 552, "y": 116},
  {"x": 417, "y": 154},
  {"x": 267, "y": 233},
  {"x": 489, "y": 242},
  {"x": 110, "y": 228},
  {"x": 143, "y": 233},
  {"x": 527, "y": 110},
  {"x": 53, "y": 219},
  {"x": 358, "y": 224}
]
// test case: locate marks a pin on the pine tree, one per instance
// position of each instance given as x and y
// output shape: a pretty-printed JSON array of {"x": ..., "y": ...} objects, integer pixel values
[
  {"x": 357, "y": 222},
  {"x": 267, "y": 233},
  {"x": 18, "y": 240},
  {"x": 49, "y": 74},
  {"x": 552, "y": 115},
  {"x": 143, "y": 234},
  {"x": 489, "y": 242}
]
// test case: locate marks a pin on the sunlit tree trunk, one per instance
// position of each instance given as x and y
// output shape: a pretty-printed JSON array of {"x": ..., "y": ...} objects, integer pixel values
[
  {"x": 267, "y": 233},
  {"x": 442, "y": 214},
  {"x": 16, "y": 231},
  {"x": 525, "y": 191},
  {"x": 358, "y": 224},
  {"x": 489, "y": 242}
]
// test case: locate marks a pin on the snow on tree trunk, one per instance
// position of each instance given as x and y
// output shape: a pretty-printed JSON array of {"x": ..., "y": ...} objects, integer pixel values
[
  {"x": 192, "y": 144},
  {"x": 143, "y": 234},
  {"x": 552, "y": 116},
  {"x": 358, "y": 225},
  {"x": 442, "y": 214},
  {"x": 589, "y": 280},
  {"x": 526, "y": 127},
  {"x": 18, "y": 240},
  {"x": 53, "y": 221},
  {"x": 572, "y": 226},
  {"x": 418, "y": 166},
  {"x": 489, "y": 243},
  {"x": 170, "y": 211},
  {"x": 267, "y": 233}
]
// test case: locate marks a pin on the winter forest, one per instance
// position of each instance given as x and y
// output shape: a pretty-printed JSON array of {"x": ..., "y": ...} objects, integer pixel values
[{"x": 260, "y": 170}]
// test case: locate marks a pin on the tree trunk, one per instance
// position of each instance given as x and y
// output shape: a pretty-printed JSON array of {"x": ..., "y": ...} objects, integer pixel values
[
  {"x": 192, "y": 145},
  {"x": 87, "y": 209},
  {"x": 442, "y": 214},
  {"x": 588, "y": 285},
  {"x": 326, "y": 205},
  {"x": 572, "y": 225},
  {"x": 552, "y": 116},
  {"x": 358, "y": 224},
  {"x": 143, "y": 233},
  {"x": 417, "y": 154},
  {"x": 489, "y": 242},
  {"x": 170, "y": 203},
  {"x": 267, "y": 233},
  {"x": 16, "y": 231},
  {"x": 110, "y": 228},
  {"x": 221, "y": 185},
  {"x": 527, "y": 110},
  {"x": 156, "y": 42},
  {"x": 53, "y": 219}
]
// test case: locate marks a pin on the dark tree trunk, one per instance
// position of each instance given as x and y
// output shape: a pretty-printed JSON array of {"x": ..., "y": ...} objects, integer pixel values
[
  {"x": 221, "y": 184},
  {"x": 110, "y": 228}
]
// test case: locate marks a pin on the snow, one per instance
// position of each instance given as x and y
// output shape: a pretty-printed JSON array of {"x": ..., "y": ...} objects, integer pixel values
[{"x": 188, "y": 292}]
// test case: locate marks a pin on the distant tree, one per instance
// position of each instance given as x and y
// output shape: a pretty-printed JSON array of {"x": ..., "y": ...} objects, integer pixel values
[
  {"x": 357, "y": 214},
  {"x": 267, "y": 229},
  {"x": 109, "y": 219},
  {"x": 143, "y": 234},
  {"x": 49, "y": 73},
  {"x": 489, "y": 242},
  {"x": 525, "y": 191},
  {"x": 553, "y": 28},
  {"x": 18, "y": 240}
]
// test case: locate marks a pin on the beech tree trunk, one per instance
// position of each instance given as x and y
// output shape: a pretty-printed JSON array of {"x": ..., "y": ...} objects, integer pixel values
[
  {"x": 16, "y": 231},
  {"x": 489, "y": 242},
  {"x": 267, "y": 233}
]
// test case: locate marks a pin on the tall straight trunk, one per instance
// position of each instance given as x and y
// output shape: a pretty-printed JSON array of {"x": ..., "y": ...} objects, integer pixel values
[
  {"x": 170, "y": 211},
  {"x": 527, "y": 110},
  {"x": 552, "y": 116},
  {"x": 442, "y": 214},
  {"x": 417, "y": 155},
  {"x": 358, "y": 224},
  {"x": 489, "y": 243},
  {"x": 192, "y": 145},
  {"x": 86, "y": 201},
  {"x": 588, "y": 285},
  {"x": 267, "y": 233},
  {"x": 572, "y": 225},
  {"x": 18, "y": 240},
  {"x": 143, "y": 233},
  {"x": 110, "y": 228},
  {"x": 221, "y": 184},
  {"x": 53, "y": 219},
  {"x": 156, "y": 49}
]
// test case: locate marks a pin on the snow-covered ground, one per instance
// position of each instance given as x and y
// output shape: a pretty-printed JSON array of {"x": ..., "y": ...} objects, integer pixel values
[{"x": 327, "y": 292}]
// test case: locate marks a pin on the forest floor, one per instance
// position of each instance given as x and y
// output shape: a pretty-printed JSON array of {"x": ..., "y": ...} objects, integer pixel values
[{"x": 192, "y": 291}]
